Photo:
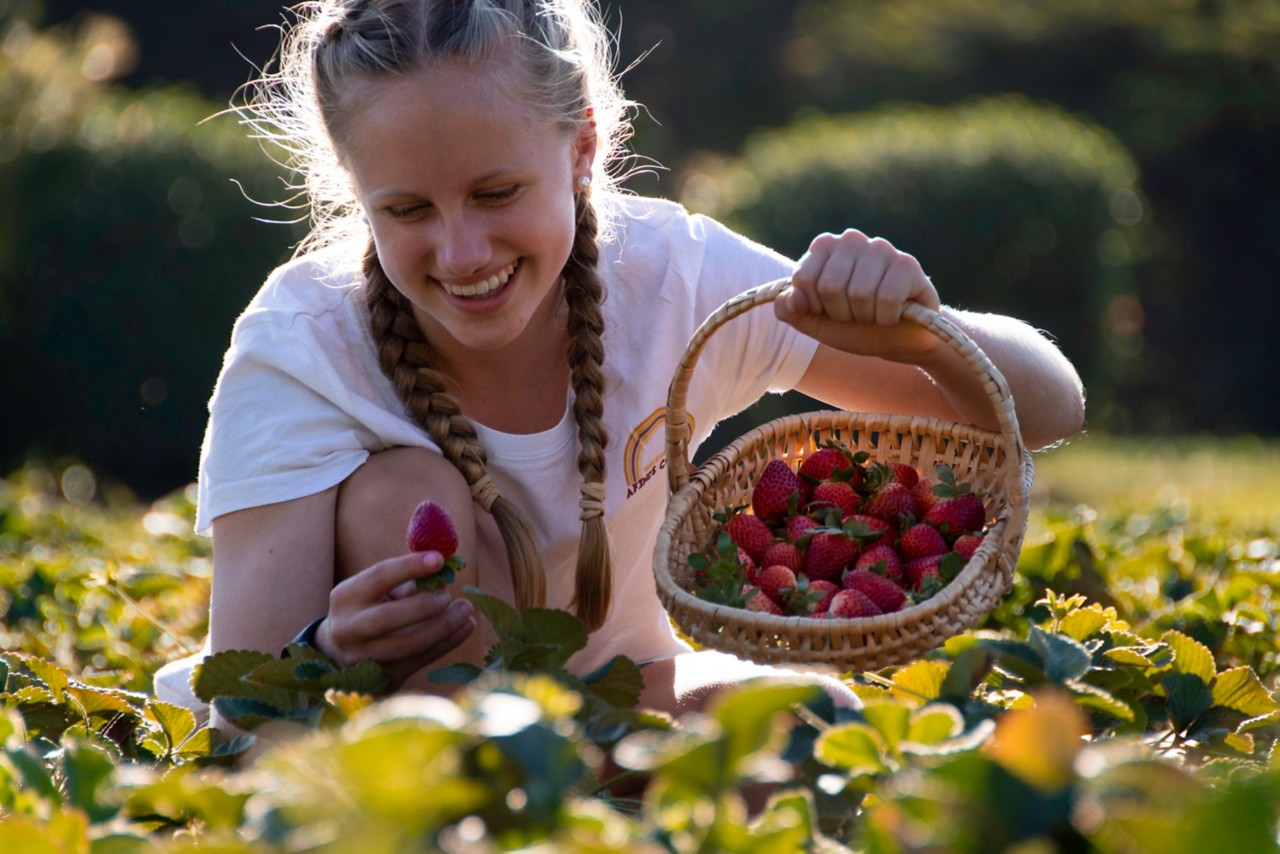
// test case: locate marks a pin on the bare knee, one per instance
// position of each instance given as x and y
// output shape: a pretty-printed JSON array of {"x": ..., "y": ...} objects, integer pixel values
[{"x": 376, "y": 501}]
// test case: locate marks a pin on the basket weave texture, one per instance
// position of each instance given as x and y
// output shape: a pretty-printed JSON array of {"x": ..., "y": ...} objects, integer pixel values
[{"x": 996, "y": 464}]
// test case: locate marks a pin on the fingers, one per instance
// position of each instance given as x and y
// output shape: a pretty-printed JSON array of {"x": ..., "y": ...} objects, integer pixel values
[{"x": 852, "y": 277}]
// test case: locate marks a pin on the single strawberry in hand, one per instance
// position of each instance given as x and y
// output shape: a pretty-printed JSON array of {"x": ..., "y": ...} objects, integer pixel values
[{"x": 431, "y": 530}]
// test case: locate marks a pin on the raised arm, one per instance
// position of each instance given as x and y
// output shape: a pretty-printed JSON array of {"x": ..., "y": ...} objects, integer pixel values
[{"x": 848, "y": 293}]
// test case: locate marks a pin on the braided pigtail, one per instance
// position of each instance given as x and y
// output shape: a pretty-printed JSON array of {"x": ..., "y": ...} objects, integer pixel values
[
  {"x": 583, "y": 295},
  {"x": 405, "y": 358}
]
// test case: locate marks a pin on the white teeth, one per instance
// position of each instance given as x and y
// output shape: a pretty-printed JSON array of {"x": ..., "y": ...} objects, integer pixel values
[{"x": 484, "y": 288}]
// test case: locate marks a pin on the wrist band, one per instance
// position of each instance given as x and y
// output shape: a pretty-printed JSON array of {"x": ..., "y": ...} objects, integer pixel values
[{"x": 306, "y": 637}]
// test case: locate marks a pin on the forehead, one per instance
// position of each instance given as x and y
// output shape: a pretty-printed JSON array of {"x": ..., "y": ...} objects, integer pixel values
[{"x": 452, "y": 118}]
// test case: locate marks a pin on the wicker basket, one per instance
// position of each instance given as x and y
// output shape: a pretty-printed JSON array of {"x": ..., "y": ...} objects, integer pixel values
[{"x": 995, "y": 463}]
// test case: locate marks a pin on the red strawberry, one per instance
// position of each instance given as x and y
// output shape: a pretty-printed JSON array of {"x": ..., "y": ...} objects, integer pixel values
[
  {"x": 824, "y": 463},
  {"x": 827, "y": 556},
  {"x": 967, "y": 544},
  {"x": 431, "y": 530},
  {"x": 776, "y": 492},
  {"x": 922, "y": 540},
  {"x": 761, "y": 603},
  {"x": 918, "y": 571},
  {"x": 750, "y": 533},
  {"x": 834, "y": 493},
  {"x": 774, "y": 581},
  {"x": 904, "y": 474},
  {"x": 850, "y": 605},
  {"x": 865, "y": 528},
  {"x": 891, "y": 502},
  {"x": 883, "y": 560},
  {"x": 783, "y": 554},
  {"x": 799, "y": 526},
  {"x": 961, "y": 515},
  {"x": 820, "y": 606},
  {"x": 887, "y": 595},
  {"x": 924, "y": 494}
]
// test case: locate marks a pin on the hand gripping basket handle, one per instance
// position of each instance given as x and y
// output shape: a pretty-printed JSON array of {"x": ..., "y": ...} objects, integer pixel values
[{"x": 679, "y": 468}]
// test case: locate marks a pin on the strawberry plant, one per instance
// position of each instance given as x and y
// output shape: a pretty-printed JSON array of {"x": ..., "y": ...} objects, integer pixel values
[{"x": 1121, "y": 698}]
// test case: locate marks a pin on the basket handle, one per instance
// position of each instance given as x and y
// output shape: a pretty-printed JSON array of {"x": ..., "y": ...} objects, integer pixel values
[{"x": 679, "y": 468}]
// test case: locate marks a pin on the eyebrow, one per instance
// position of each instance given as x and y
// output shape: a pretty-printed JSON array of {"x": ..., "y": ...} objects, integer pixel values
[{"x": 487, "y": 176}]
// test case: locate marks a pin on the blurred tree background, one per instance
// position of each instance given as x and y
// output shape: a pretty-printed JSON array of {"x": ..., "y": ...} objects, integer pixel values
[{"x": 1106, "y": 170}]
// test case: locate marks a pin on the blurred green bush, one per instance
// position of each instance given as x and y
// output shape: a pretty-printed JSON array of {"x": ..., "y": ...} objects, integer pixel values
[
  {"x": 1011, "y": 206},
  {"x": 134, "y": 248}
]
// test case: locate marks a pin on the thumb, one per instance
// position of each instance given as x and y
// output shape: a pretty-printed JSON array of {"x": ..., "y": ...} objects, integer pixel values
[{"x": 791, "y": 306}]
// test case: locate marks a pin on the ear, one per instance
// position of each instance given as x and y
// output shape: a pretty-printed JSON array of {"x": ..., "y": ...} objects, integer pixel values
[{"x": 583, "y": 152}]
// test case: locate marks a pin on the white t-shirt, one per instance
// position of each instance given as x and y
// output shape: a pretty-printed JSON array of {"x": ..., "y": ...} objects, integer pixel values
[{"x": 301, "y": 403}]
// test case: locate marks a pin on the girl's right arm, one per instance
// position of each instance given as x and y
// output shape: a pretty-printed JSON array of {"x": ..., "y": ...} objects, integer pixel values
[{"x": 274, "y": 572}]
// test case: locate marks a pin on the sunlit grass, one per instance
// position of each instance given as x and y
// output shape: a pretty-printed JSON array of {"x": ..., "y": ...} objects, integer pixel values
[{"x": 1208, "y": 479}]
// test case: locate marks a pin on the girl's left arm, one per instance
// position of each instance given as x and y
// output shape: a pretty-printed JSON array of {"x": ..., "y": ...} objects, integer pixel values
[{"x": 848, "y": 292}]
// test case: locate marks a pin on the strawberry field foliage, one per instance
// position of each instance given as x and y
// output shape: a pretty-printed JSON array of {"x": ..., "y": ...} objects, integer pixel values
[{"x": 1121, "y": 699}]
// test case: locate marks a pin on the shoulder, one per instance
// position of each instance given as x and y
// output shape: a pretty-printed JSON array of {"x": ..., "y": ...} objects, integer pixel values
[{"x": 309, "y": 286}]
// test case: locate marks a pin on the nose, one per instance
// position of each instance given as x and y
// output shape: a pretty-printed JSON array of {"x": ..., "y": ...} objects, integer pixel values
[{"x": 463, "y": 246}]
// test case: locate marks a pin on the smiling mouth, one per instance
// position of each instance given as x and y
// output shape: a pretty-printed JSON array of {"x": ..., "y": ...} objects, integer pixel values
[{"x": 478, "y": 290}]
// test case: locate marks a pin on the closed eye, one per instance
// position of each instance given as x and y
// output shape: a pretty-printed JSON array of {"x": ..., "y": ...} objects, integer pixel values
[
  {"x": 406, "y": 211},
  {"x": 499, "y": 195}
]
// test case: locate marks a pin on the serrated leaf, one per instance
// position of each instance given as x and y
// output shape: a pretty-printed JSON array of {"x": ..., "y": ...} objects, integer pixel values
[
  {"x": 1082, "y": 622},
  {"x": 1239, "y": 741},
  {"x": 365, "y": 677},
  {"x": 557, "y": 628},
  {"x": 1093, "y": 697},
  {"x": 1064, "y": 659},
  {"x": 1240, "y": 690},
  {"x": 935, "y": 724},
  {"x": 1189, "y": 697},
  {"x": 248, "y": 713},
  {"x": 53, "y": 676},
  {"x": 32, "y": 695},
  {"x": 854, "y": 748},
  {"x": 504, "y": 618},
  {"x": 202, "y": 743},
  {"x": 1269, "y": 719},
  {"x": 98, "y": 702},
  {"x": 891, "y": 720},
  {"x": 86, "y": 769},
  {"x": 1190, "y": 656},
  {"x": 222, "y": 675},
  {"x": 920, "y": 680},
  {"x": 176, "y": 722},
  {"x": 1018, "y": 659},
  {"x": 1129, "y": 656},
  {"x": 966, "y": 673},
  {"x": 618, "y": 682}
]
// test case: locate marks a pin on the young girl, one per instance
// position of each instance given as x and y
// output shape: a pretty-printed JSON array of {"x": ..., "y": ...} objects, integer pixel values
[{"x": 480, "y": 318}]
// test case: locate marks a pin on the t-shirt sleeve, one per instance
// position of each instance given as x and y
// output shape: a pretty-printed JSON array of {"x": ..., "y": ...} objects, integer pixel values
[
  {"x": 279, "y": 427},
  {"x": 754, "y": 353}
]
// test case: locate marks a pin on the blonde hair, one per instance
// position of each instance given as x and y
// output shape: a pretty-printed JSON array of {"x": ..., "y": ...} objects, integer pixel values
[{"x": 565, "y": 54}]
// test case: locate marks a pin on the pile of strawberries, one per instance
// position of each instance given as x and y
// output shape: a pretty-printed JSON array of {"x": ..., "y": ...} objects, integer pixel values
[{"x": 841, "y": 538}]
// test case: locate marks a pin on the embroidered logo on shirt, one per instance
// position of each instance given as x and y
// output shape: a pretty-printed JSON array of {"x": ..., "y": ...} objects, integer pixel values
[{"x": 646, "y": 450}]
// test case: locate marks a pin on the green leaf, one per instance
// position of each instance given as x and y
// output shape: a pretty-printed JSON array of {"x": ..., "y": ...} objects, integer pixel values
[
  {"x": 1189, "y": 698},
  {"x": 1190, "y": 656},
  {"x": 618, "y": 682},
  {"x": 86, "y": 771},
  {"x": 98, "y": 702},
  {"x": 966, "y": 673},
  {"x": 176, "y": 722},
  {"x": 1018, "y": 659},
  {"x": 1129, "y": 656},
  {"x": 749, "y": 715},
  {"x": 935, "y": 724},
  {"x": 201, "y": 743},
  {"x": 222, "y": 675},
  {"x": 1240, "y": 690},
  {"x": 1082, "y": 622},
  {"x": 51, "y": 675},
  {"x": 853, "y": 747},
  {"x": 1260, "y": 722},
  {"x": 1093, "y": 697},
  {"x": 248, "y": 713},
  {"x": 1064, "y": 659},
  {"x": 560, "y": 629},
  {"x": 504, "y": 618},
  {"x": 891, "y": 720},
  {"x": 921, "y": 680}
]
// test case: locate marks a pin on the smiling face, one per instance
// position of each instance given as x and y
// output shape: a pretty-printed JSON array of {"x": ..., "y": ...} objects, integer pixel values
[{"x": 470, "y": 197}]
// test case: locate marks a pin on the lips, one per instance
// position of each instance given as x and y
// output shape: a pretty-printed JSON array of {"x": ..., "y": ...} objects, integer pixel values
[{"x": 483, "y": 288}]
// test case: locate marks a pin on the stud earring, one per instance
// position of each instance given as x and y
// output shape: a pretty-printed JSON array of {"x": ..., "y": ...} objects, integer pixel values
[{"x": 583, "y": 183}]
